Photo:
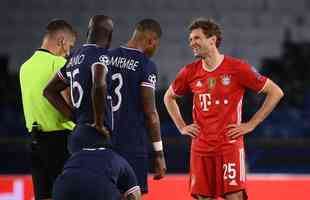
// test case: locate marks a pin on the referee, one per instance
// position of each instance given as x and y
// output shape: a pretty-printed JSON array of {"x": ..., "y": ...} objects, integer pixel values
[{"x": 48, "y": 128}]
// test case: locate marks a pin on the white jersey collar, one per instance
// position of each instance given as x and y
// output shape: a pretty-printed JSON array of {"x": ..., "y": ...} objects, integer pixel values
[{"x": 217, "y": 66}]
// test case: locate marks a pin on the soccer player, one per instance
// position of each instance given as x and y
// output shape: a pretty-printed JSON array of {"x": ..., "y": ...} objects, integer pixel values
[
  {"x": 48, "y": 127},
  {"x": 86, "y": 74},
  {"x": 134, "y": 78},
  {"x": 96, "y": 174},
  {"x": 218, "y": 83}
]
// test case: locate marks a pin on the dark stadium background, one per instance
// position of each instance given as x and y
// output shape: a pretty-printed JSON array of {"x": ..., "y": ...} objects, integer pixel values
[{"x": 273, "y": 35}]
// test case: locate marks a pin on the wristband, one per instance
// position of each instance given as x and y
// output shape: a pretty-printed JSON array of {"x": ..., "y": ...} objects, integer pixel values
[{"x": 158, "y": 146}]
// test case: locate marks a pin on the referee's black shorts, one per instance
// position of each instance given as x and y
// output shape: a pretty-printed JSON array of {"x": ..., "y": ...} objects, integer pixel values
[{"x": 48, "y": 152}]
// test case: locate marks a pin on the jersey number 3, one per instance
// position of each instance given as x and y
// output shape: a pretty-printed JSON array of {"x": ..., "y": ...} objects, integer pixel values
[{"x": 117, "y": 91}]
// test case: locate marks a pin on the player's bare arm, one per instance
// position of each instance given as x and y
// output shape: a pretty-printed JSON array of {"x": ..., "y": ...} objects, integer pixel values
[
  {"x": 134, "y": 196},
  {"x": 153, "y": 125},
  {"x": 67, "y": 96},
  {"x": 53, "y": 94},
  {"x": 99, "y": 92},
  {"x": 172, "y": 106},
  {"x": 273, "y": 95}
]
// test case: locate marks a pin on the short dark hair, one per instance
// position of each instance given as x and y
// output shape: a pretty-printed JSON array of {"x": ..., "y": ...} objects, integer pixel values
[
  {"x": 209, "y": 28},
  {"x": 100, "y": 28},
  {"x": 59, "y": 25},
  {"x": 149, "y": 25}
]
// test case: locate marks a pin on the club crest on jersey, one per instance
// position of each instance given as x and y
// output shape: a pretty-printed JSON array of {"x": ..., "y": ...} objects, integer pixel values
[
  {"x": 226, "y": 79},
  {"x": 211, "y": 83}
]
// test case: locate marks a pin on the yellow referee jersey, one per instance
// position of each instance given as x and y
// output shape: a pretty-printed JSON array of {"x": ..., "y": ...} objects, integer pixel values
[{"x": 34, "y": 74}]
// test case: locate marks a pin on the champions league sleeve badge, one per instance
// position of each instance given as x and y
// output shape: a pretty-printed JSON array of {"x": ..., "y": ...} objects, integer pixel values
[
  {"x": 152, "y": 79},
  {"x": 104, "y": 59}
]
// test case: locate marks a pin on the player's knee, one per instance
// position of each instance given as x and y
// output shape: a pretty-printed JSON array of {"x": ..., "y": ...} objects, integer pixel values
[
  {"x": 199, "y": 197},
  {"x": 235, "y": 196}
]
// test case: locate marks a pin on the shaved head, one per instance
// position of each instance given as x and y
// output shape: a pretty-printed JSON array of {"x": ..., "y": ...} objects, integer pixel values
[
  {"x": 100, "y": 22},
  {"x": 100, "y": 30}
]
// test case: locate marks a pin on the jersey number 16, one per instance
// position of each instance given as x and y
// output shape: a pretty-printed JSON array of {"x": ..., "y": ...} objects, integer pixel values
[{"x": 75, "y": 85}]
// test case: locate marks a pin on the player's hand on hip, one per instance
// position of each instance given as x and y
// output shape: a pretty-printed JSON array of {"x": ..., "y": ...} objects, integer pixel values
[
  {"x": 159, "y": 165},
  {"x": 191, "y": 130},
  {"x": 102, "y": 129},
  {"x": 237, "y": 130}
]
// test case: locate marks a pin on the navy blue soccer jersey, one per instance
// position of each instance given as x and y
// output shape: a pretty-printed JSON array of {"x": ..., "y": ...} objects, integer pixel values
[
  {"x": 95, "y": 174},
  {"x": 106, "y": 163},
  {"x": 131, "y": 70},
  {"x": 78, "y": 74}
]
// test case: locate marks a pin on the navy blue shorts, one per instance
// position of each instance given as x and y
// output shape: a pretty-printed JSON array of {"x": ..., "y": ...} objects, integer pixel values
[
  {"x": 139, "y": 165},
  {"x": 85, "y": 136},
  {"x": 83, "y": 185}
]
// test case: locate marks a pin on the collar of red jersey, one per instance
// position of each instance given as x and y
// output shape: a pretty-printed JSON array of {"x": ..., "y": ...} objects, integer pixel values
[{"x": 217, "y": 66}]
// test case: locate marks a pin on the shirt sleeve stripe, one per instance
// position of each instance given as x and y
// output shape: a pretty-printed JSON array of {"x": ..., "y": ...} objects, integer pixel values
[
  {"x": 132, "y": 190},
  {"x": 263, "y": 86},
  {"x": 172, "y": 90},
  {"x": 62, "y": 77},
  {"x": 146, "y": 84}
]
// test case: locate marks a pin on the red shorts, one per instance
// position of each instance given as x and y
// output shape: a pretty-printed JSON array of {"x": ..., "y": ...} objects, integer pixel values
[{"x": 217, "y": 175}]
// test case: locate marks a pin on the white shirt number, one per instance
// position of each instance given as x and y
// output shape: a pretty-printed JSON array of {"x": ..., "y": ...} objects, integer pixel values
[
  {"x": 77, "y": 85},
  {"x": 118, "y": 91}
]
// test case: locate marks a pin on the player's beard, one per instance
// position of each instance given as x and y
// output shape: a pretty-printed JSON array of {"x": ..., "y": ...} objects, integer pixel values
[
  {"x": 197, "y": 54},
  {"x": 201, "y": 54},
  {"x": 150, "y": 52}
]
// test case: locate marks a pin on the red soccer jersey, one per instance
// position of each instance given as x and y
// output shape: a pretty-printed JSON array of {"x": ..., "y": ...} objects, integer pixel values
[{"x": 217, "y": 100}]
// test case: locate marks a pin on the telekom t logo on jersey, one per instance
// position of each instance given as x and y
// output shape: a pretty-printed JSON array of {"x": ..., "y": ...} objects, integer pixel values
[{"x": 206, "y": 101}]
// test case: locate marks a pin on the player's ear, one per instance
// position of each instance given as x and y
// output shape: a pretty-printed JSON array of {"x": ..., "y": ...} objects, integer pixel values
[
  {"x": 60, "y": 41},
  {"x": 213, "y": 39},
  {"x": 151, "y": 42}
]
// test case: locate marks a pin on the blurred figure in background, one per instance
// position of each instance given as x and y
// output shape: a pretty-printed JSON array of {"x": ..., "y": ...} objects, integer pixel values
[
  {"x": 49, "y": 129},
  {"x": 218, "y": 83}
]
